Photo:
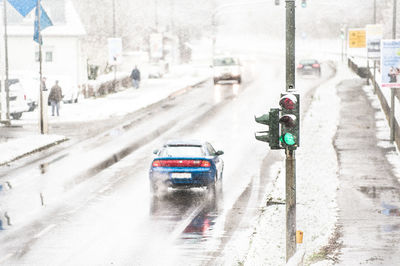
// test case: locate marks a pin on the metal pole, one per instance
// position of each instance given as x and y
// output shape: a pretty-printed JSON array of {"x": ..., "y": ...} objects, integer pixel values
[
  {"x": 392, "y": 129},
  {"x": 342, "y": 56},
  {"x": 374, "y": 11},
  {"x": 368, "y": 71},
  {"x": 394, "y": 19},
  {"x": 113, "y": 14},
  {"x": 6, "y": 83},
  {"x": 156, "y": 14},
  {"x": 290, "y": 45},
  {"x": 290, "y": 154},
  {"x": 290, "y": 204},
  {"x": 114, "y": 34},
  {"x": 374, "y": 81},
  {"x": 42, "y": 126}
]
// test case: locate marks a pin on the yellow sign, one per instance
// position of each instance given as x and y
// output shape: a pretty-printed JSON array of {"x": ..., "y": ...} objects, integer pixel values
[{"x": 357, "y": 39}]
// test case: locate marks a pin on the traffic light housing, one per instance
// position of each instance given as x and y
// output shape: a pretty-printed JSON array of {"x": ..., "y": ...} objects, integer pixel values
[
  {"x": 290, "y": 120},
  {"x": 277, "y": 2},
  {"x": 272, "y": 135},
  {"x": 342, "y": 33},
  {"x": 303, "y": 3}
]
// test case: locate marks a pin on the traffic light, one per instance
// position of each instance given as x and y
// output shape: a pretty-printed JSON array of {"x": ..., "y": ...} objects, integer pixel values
[
  {"x": 272, "y": 136},
  {"x": 303, "y": 3},
  {"x": 290, "y": 120},
  {"x": 277, "y": 2},
  {"x": 342, "y": 33}
]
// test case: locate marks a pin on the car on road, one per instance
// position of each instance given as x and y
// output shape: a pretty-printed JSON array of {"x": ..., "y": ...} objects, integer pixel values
[
  {"x": 309, "y": 67},
  {"x": 226, "y": 68},
  {"x": 186, "y": 164}
]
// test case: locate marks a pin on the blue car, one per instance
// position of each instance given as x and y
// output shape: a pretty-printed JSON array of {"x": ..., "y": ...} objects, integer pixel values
[{"x": 185, "y": 164}]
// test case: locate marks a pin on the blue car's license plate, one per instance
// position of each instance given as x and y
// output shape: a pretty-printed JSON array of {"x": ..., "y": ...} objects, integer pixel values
[{"x": 181, "y": 175}]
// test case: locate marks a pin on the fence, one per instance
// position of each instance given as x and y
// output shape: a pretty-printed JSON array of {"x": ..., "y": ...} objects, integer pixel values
[
  {"x": 365, "y": 72},
  {"x": 96, "y": 88}
]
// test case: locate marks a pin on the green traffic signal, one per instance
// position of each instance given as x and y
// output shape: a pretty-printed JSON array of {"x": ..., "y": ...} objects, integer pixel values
[{"x": 288, "y": 139}]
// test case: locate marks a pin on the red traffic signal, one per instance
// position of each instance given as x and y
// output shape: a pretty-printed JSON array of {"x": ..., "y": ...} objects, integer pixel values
[{"x": 288, "y": 102}]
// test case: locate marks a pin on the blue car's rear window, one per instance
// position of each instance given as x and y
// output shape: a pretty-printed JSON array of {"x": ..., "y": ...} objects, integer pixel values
[{"x": 182, "y": 151}]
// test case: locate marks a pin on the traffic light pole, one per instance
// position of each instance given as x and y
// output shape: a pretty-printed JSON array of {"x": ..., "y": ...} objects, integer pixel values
[{"x": 290, "y": 154}]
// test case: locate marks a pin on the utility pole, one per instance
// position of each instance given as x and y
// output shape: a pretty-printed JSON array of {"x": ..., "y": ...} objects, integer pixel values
[
  {"x": 114, "y": 34},
  {"x": 6, "y": 83},
  {"x": 394, "y": 19},
  {"x": 42, "y": 102},
  {"x": 156, "y": 14},
  {"x": 290, "y": 154}
]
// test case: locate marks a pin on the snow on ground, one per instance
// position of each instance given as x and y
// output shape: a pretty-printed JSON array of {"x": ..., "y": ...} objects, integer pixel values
[
  {"x": 117, "y": 104},
  {"x": 14, "y": 149},
  {"x": 383, "y": 130},
  {"x": 317, "y": 182}
]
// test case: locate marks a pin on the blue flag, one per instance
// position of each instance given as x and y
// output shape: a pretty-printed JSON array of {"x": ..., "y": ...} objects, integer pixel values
[
  {"x": 23, "y": 6},
  {"x": 44, "y": 23}
]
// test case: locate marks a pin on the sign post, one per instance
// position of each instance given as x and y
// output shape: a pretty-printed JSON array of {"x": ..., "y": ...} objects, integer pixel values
[
  {"x": 114, "y": 55},
  {"x": 373, "y": 38}
]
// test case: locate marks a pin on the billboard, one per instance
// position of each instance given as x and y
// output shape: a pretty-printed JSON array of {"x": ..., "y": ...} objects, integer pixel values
[
  {"x": 156, "y": 45},
  {"x": 114, "y": 51},
  {"x": 374, "y": 37},
  {"x": 390, "y": 63}
]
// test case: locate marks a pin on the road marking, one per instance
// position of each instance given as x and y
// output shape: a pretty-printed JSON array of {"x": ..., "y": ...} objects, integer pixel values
[{"x": 44, "y": 231}]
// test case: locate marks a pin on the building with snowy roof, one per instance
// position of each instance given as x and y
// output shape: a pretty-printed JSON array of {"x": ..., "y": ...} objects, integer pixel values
[{"x": 62, "y": 56}]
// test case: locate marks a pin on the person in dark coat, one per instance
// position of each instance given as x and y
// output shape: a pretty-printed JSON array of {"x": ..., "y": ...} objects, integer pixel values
[
  {"x": 55, "y": 98},
  {"x": 135, "y": 76}
]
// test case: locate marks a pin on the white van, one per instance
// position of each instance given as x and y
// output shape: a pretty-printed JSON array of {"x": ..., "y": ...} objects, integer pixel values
[
  {"x": 17, "y": 99},
  {"x": 226, "y": 68}
]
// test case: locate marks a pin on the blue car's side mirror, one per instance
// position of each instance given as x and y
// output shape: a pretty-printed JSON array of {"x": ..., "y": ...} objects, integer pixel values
[{"x": 218, "y": 153}]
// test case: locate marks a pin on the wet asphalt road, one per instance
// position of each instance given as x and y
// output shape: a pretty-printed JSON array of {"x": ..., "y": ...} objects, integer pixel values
[
  {"x": 369, "y": 194},
  {"x": 107, "y": 216}
]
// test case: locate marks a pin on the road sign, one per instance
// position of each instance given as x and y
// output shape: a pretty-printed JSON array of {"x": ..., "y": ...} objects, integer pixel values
[
  {"x": 374, "y": 37},
  {"x": 357, "y": 38},
  {"x": 156, "y": 45},
  {"x": 114, "y": 51},
  {"x": 390, "y": 63}
]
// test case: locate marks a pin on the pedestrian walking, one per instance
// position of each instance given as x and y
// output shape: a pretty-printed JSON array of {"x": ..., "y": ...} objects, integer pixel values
[
  {"x": 135, "y": 76},
  {"x": 55, "y": 98}
]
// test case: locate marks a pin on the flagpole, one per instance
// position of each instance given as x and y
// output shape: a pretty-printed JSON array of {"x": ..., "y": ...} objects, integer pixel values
[{"x": 43, "y": 127}]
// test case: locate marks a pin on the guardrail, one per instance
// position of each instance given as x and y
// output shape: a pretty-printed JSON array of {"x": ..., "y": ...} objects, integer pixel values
[{"x": 387, "y": 108}]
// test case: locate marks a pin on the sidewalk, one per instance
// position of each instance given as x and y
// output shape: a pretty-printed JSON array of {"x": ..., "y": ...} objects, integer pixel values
[
  {"x": 369, "y": 191},
  {"x": 117, "y": 104},
  {"x": 348, "y": 192}
]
